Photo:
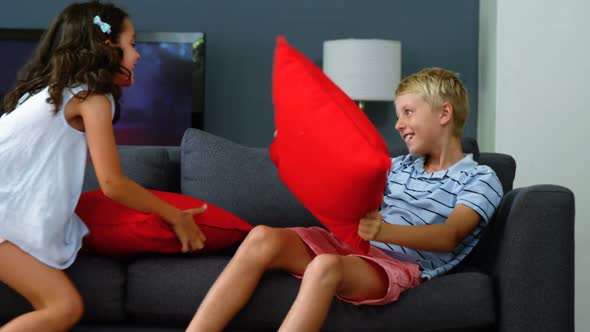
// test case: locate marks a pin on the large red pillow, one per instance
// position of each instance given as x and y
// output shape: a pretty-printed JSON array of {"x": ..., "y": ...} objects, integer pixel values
[
  {"x": 118, "y": 230},
  {"x": 327, "y": 151}
]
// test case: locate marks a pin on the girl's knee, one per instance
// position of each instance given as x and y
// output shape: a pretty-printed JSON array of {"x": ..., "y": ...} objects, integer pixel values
[
  {"x": 71, "y": 308},
  {"x": 325, "y": 270},
  {"x": 76, "y": 307}
]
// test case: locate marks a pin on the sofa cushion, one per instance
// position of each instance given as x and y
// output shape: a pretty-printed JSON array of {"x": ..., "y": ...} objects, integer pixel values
[
  {"x": 239, "y": 179},
  {"x": 327, "y": 151},
  {"x": 153, "y": 283},
  {"x": 124, "y": 328},
  {"x": 462, "y": 300},
  {"x": 150, "y": 166},
  {"x": 118, "y": 230},
  {"x": 11, "y": 304},
  {"x": 100, "y": 281}
]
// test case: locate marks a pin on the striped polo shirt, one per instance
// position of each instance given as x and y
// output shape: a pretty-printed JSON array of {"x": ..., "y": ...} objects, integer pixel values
[{"x": 414, "y": 197}]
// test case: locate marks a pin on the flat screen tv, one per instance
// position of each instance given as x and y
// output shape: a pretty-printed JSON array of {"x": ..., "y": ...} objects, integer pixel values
[{"x": 166, "y": 98}]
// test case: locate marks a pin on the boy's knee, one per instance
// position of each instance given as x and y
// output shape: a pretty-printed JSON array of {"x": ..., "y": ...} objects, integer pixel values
[
  {"x": 325, "y": 270},
  {"x": 261, "y": 236},
  {"x": 262, "y": 243}
]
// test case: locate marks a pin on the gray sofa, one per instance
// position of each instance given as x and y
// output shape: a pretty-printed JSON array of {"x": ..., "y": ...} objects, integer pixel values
[{"x": 519, "y": 278}]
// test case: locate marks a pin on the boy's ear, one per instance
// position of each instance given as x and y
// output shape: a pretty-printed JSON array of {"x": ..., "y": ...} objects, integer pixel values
[
  {"x": 108, "y": 42},
  {"x": 446, "y": 113}
]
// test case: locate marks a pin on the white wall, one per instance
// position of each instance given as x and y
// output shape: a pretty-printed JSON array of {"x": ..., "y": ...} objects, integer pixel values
[
  {"x": 535, "y": 70},
  {"x": 486, "y": 110}
]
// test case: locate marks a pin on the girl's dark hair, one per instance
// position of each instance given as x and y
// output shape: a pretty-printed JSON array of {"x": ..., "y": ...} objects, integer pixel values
[{"x": 73, "y": 51}]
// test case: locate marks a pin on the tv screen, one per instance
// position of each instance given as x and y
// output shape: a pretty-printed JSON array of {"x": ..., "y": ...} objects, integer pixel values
[{"x": 166, "y": 98}]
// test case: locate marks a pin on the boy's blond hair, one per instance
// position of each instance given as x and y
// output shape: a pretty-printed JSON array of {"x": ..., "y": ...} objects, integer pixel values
[{"x": 436, "y": 86}]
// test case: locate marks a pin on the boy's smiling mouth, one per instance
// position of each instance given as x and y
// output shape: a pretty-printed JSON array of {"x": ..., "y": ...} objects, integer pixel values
[{"x": 408, "y": 137}]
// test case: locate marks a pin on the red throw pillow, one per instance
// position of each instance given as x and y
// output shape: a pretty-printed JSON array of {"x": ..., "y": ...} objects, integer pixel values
[
  {"x": 118, "y": 230},
  {"x": 327, "y": 151}
]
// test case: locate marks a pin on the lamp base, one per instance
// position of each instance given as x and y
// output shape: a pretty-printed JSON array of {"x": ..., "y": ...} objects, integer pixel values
[{"x": 361, "y": 104}]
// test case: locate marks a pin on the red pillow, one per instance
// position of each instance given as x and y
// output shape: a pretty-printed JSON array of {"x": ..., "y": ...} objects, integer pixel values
[
  {"x": 118, "y": 230},
  {"x": 327, "y": 151}
]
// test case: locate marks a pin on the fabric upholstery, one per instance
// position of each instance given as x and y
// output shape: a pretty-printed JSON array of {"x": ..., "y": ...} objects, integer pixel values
[
  {"x": 239, "y": 179},
  {"x": 437, "y": 299},
  {"x": 152, "y": 167}
]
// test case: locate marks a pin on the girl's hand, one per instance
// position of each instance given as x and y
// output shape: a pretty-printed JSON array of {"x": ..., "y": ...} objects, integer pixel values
[
  {"x": 370, "y": 226},
  {"x": 188, "y": 233}
]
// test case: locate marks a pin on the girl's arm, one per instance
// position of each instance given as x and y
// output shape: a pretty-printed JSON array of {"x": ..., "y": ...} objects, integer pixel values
[
  {"x": 96, "y": 115},
  {"x": 442, "y": 237}
]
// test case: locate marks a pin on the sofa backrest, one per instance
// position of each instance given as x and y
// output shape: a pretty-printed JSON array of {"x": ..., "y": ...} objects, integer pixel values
[
  {"x": 503, "y": 164},
  {"x": 242, "y": 179},
  {"x": 468, "y": 144},
  {"x": 154, "y": 167}
]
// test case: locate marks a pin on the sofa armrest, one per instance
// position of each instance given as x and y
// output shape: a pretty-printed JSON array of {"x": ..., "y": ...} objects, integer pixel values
[{"x": 529, "y": 250}]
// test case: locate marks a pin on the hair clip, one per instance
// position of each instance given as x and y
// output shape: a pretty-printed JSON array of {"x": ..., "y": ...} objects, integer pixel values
[{"x": 104, "y": 27}]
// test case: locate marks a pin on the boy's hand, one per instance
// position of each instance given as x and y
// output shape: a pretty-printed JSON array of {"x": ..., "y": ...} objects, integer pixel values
[
  {"x": 188, "y": 233},
  {"x": 370, "y": 226}
]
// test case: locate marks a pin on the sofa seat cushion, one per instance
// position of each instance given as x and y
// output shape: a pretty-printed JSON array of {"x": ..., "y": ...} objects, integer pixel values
[
  {"x": 123, "y": 328},
  {"x": 239, "y": 179},
  {"x": 100, "y": 281},
  {"x": 11, "y": 304},
  {"x": 170, "y": 291},
  {"x": 138, "y": 327}
]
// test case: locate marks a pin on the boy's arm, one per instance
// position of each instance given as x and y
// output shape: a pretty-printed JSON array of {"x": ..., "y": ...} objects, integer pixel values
[{"x": 441, "y": 237}]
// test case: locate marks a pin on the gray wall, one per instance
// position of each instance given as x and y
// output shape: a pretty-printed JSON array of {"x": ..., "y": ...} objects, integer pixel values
[{"x": 241, "y": 37}]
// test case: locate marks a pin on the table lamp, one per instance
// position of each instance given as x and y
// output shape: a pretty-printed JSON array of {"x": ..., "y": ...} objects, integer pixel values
[{"x": 365, "y": 69}]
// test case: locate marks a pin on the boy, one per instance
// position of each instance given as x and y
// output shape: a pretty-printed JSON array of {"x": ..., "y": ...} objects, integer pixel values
[
  {"x": 436, "y": 202},
  {"x": 444, "y": 195}
]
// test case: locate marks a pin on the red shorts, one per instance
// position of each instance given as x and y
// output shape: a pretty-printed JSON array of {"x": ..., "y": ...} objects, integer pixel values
[{"x": 400, "y": 275}]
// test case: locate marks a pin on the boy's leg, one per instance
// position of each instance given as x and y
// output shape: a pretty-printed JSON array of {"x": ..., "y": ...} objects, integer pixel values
[
  {"x": 58, "y": 305},
  {"x": 263, "y": 249},
  {"x": 327, "y": 275}
]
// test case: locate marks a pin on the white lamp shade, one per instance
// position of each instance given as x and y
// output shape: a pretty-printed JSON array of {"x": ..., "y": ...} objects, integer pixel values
[{"x": 365, "y": 69}]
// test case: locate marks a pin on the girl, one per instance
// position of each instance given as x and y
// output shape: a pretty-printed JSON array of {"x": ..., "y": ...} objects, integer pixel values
[{"x": 63, "y": 105}]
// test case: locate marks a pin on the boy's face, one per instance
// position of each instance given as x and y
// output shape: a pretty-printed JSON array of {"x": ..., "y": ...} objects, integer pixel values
[{"x": 417, "y": 124}]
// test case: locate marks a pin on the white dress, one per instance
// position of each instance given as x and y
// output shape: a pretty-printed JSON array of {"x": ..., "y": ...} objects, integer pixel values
[{"x": 42, "y": 162}]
